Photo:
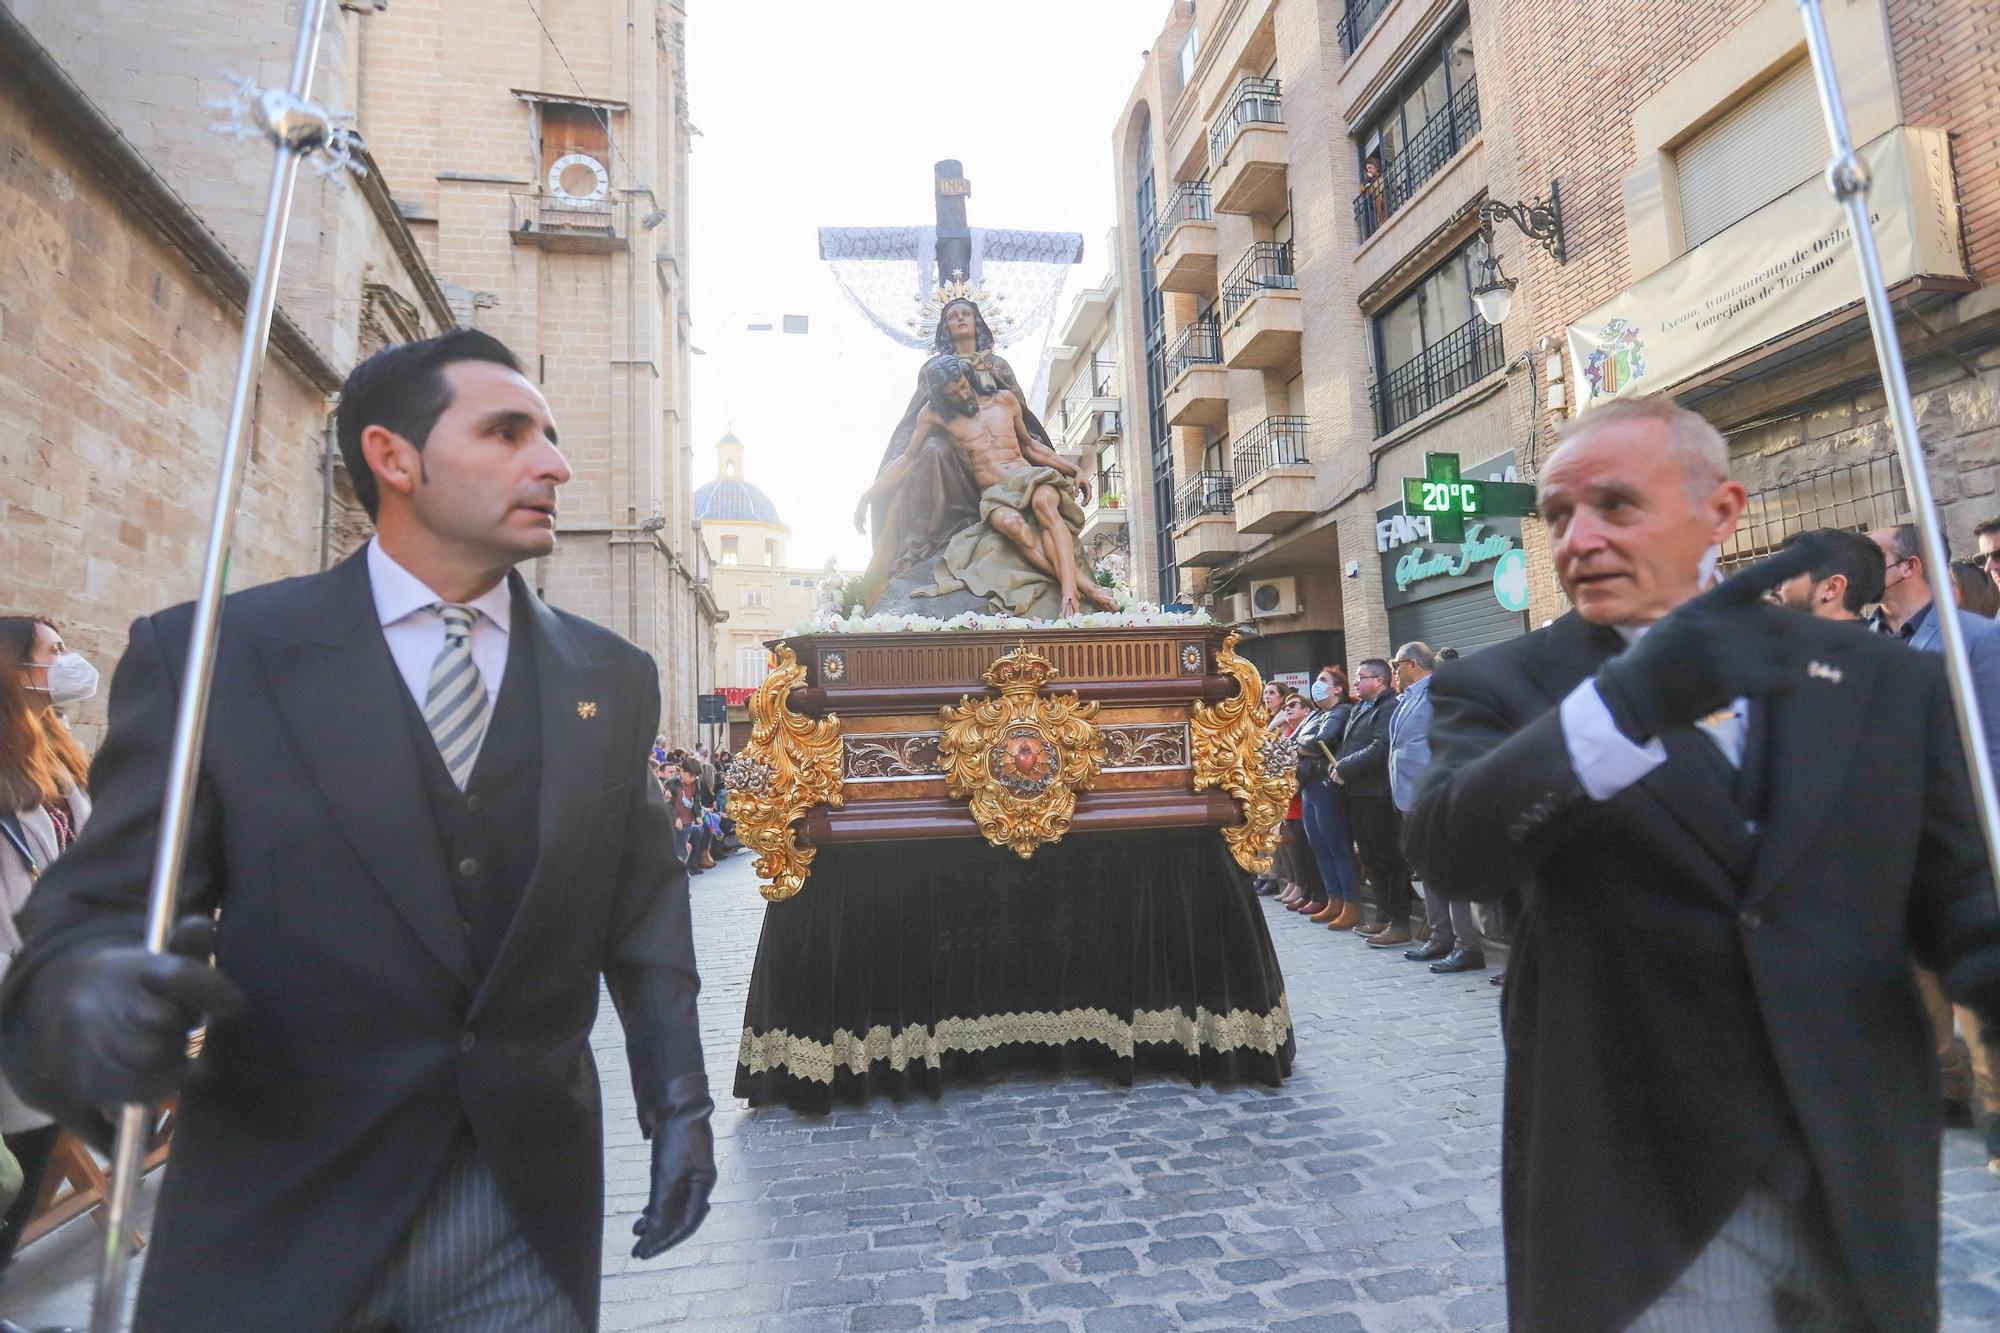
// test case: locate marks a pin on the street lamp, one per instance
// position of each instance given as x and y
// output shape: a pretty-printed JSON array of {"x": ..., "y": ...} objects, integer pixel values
[
  {"x": 1494, "y": 296},
  {"x": 1539, "y": 221}
]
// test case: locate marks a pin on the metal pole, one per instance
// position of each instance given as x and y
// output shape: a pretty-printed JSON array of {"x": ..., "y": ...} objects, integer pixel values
[
  {"x": 134, "y": 1121},
  {"x": 1848, "y": 178}
]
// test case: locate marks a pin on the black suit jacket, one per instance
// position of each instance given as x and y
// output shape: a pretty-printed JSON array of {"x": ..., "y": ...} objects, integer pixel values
[
  {"x": 1683, "y": 989},
  {"x": 1362, "y": 756},
  {"x": 314, "y": 1125}
]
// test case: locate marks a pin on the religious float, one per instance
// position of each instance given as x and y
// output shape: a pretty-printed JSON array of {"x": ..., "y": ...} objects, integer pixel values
[{"x": 1004, "y": 816}]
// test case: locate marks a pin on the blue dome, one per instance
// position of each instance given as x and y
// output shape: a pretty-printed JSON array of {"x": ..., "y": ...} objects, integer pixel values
[{"x": 731, "y": 499}]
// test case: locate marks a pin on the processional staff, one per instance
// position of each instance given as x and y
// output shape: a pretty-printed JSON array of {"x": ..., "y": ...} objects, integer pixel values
[
  {"x": 296, "y": 128},
  {"x": 1847, "y": 177}
]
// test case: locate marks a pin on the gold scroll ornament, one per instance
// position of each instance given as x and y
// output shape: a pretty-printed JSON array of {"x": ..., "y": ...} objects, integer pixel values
[
  {"x": 791, "y": 764},
  {"x": 1232, "y": 751},
  {"x": 1022, "y": 757}
]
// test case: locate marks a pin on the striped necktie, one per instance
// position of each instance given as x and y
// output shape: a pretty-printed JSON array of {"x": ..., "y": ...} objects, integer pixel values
[{"x": 455, "y": 706}]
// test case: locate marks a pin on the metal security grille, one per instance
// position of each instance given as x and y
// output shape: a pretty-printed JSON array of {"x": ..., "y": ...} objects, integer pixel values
[
  {"x": 1855, "y": 496},
  {"x": 1466, "y": 620},
  {"x": 1153, "y": 317}
]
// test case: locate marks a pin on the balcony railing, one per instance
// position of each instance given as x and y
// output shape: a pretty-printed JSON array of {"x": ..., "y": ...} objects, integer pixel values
[
  {"x": 547, "y": 220},
  {"x": 1200, "y": 344},
  {"x": 1110, "y": 491},
  {"x": 1272, "y": 442},
  {"x": 1265, "y": 266},
  {"x": 1188, "y": 203},
  {"x": 1450, "y": 365},
  {"x": 1205, "y": 493},
  {"x": 1358, "y": 21},
  {"x": 1255, "y": 102},
  {"x": 1422, "y": 158}
]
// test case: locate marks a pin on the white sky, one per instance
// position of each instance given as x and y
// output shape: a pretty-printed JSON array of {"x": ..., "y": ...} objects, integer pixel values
[{"x": 816, "y": 114}]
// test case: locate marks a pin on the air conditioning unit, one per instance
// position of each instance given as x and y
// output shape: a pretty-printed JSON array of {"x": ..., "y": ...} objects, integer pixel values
[
  {"x": 1235, "y": 609},
  {"x": 1107, "y": 423},
  {"x": 1274, "y": 597}
]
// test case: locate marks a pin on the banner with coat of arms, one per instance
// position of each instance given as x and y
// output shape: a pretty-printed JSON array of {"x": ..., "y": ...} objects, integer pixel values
[{"x": 1780, "y": 268}]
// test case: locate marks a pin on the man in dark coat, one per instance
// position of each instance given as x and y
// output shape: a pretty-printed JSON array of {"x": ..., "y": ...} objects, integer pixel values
[
  {"x": 1361, "y": 767},
  {"x": 425, "y": 820},
  {"x": 1731, "y": 837}
]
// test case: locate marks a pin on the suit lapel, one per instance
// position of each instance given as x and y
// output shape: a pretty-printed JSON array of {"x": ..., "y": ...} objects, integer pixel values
[
  {"x": 1693, "y": 788},
  {"x": 1571, "y": 654},
  {"x": 337, "y": 689},
  {"x": 1820, "y": 716},
  {"x": 577, "y": 718}
]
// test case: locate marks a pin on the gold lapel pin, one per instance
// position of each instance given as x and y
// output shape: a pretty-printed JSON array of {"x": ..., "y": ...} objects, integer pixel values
[
  {"x": 1821, "y": 671},
  {"x": 586, "y": 708}
]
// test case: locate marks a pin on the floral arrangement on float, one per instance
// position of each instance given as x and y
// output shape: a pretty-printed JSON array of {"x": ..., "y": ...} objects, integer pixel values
[{"x": 839, "y": 610}]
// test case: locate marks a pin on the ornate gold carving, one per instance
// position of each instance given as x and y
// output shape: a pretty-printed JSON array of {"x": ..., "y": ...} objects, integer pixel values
[
  {"x": 791, "y": 764},
  {"x": 1230, "y": 753},
  {"x": 908, "y": 754},
  {"x": 1146, "y": 745},
  {"x": 1023, "y": 757}
]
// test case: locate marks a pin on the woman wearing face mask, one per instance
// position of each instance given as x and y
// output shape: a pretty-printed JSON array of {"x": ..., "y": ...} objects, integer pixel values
[
  {"x": 1325, "y": 804},
  {"x": 42, "y": 804},
  {"x": 1292, "y": 863}
]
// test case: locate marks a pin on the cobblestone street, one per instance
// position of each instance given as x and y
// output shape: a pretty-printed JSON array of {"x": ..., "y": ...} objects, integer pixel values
[{"x": 1363, "y": 1196}]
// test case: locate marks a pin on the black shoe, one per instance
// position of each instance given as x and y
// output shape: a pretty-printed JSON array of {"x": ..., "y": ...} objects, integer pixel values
[
  {"x": 1957, "y": 1113},
  {"x": 1439, "y": 946},
  {"x": 1461, "y": 960},
  {"x": 1497, "y": 978}
]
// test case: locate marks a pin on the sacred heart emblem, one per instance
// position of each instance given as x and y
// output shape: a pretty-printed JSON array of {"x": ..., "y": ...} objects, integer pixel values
[{"x": 1023, "y": 762}]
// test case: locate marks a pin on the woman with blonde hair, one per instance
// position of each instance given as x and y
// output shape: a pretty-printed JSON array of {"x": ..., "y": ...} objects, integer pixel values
[{"x": 43, "y": 801}]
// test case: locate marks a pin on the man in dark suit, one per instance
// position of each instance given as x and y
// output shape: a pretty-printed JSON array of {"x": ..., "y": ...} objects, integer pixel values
[
  {"x": 1722, "y": 1104},
  {"x": 1361, "y": 767},
  {"x": 425, "y": 820}
]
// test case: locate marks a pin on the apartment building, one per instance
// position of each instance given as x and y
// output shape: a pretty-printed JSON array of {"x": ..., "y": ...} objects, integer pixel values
[
  {"x": 1083, "y": 408},
  {"x": 1707, "y": 258},
  {"x": 1376, "y": 238}
]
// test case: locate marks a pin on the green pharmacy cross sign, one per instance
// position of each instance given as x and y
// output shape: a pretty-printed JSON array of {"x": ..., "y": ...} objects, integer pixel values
[{"x": 1448, "y": 501}]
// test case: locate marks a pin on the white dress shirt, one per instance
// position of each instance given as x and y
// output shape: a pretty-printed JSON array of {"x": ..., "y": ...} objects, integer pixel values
[
  {"x": 1607, "y": 761},
  {"x": 416, "y": 632}
]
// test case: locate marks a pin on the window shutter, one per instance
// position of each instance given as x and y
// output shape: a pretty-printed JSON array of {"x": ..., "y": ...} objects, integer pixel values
[{"x": 1764, "y": 146}]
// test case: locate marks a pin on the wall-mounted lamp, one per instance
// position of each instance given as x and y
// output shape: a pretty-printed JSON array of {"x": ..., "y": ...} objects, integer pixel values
[{"x": 1538, "y": 221}]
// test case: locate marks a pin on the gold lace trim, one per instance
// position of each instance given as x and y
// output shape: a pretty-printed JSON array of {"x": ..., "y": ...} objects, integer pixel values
[{"x": 818, "y": 1061}]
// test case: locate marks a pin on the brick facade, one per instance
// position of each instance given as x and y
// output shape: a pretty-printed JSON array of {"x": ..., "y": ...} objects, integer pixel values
[
  {"x": 1599, "y": 108},
  {"x": 121, "y": 314},
  {"x": 109, "y": 332}
]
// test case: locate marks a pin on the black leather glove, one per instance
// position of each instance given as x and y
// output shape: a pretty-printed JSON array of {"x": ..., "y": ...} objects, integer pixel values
[
  {"x": 107, "y": 1026},
  {"x": 1706, "y": 653},
  {"x": 683, "y": 1165}
]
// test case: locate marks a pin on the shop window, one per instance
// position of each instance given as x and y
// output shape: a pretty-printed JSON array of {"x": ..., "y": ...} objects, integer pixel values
[{"x": 1762, "y": 147}]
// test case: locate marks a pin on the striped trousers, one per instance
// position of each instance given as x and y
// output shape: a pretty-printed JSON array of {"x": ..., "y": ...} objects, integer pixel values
[
  {"x": 465, "y": 1266},
  {"x": 1771, "y": 1269}
]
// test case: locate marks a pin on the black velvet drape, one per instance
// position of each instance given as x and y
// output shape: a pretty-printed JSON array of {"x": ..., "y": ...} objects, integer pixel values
[{"x": 924, "y": 963}]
